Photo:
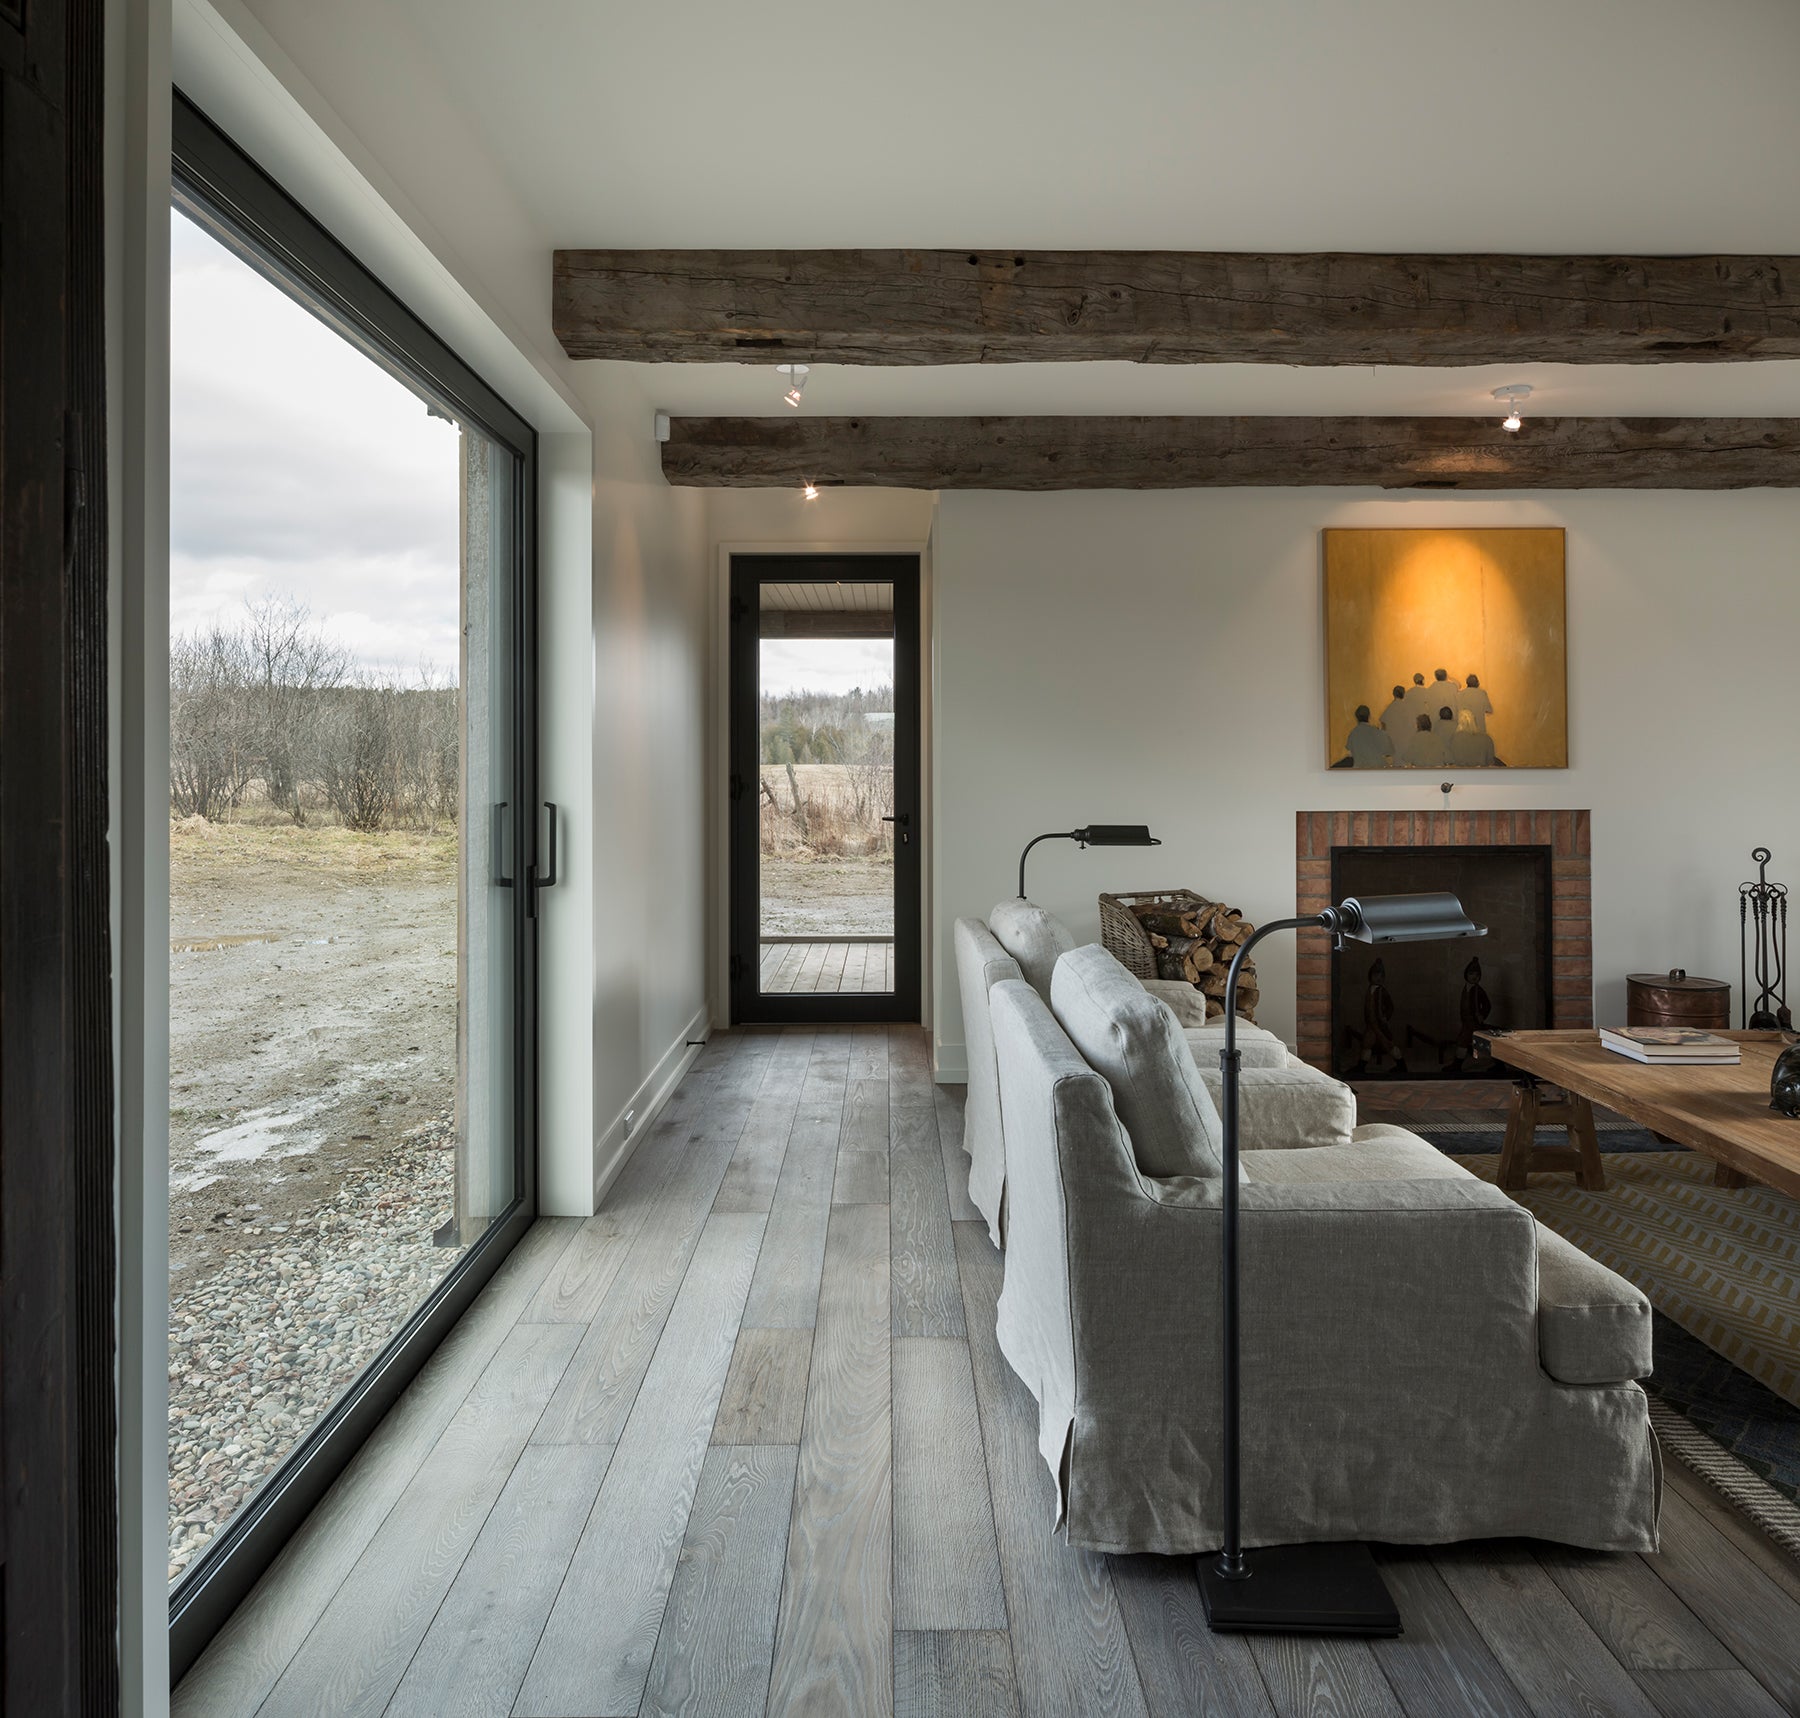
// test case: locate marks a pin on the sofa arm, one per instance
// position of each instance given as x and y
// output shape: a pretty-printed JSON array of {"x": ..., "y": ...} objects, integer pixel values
[
  {"x": 1593, "y": 1326},
  {"x": 1188, "y": 1004},
  {"x": 1256, "y": 1048},
  {"x": 1280, "y": 1108}
]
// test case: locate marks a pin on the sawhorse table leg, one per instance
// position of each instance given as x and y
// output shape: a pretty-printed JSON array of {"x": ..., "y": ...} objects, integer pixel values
[{"x": 1521, "y": 1155}]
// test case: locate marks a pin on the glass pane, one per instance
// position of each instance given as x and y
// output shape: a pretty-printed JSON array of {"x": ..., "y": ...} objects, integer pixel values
[
  {"x": 826, "y": 713},
  {"x": 341, "y": 963}
]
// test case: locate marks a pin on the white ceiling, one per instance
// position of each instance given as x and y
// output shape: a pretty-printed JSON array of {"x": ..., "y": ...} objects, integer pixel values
[{"x": 1664, "y": 126}]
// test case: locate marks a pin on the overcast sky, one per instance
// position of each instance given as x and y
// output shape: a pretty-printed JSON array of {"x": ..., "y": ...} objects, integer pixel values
[
  {"x": 299, "y": 466},
  {"x": 825, "y": 664}
]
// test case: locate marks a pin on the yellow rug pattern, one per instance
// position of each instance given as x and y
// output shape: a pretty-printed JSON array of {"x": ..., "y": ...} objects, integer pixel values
[{"x": 1724, "y": 1263}]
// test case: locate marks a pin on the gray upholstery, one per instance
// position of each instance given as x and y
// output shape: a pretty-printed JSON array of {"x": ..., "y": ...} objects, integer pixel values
[
  {"x": 1292, "y": 1106},
  {"x": 1393, "y": 1387},
  {"x": 1593, "y": 1326},
  {"x": 1187, "y": 1003},
  {"x": 1037, "y": 938},
  {"x": 1132, "y": 1039},
  {"x": 981, "y": 962},
  {"x": 1034, "y": 938}
]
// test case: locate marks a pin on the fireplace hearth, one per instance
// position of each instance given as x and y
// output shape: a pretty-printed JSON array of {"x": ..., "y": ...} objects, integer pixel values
[{"x": 1412, "y": 1011}]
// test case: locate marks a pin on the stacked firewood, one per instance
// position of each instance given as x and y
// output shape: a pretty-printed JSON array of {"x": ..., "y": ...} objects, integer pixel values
[{"x": 1195, "y": 944}]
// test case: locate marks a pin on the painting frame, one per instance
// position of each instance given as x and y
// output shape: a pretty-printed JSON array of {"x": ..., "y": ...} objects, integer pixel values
[{"x": 1446, "y": 647}]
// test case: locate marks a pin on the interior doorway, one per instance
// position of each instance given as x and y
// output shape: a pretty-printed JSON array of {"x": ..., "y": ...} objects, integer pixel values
[{"x": 825, "y": 838}]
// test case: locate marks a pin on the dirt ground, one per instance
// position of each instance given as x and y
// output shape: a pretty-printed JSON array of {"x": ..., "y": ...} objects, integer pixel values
[
  {"x": 312, "y": 1019},
  {"x": 312, "y": 1023},
  {"x": 826, "y": 897}
]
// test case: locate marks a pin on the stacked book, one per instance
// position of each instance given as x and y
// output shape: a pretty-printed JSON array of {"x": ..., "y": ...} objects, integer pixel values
[{"x": 1670, "y": 1046}]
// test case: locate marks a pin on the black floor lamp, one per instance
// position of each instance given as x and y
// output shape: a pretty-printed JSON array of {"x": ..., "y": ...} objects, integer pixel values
[
  {"x": 1095, "y": 835},
  {"x": 1333, "y": 1588}
]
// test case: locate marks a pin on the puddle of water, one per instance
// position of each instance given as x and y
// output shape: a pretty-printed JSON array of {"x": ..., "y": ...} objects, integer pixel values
[
  {"x": 256, "y": 1133},
  {"x": 205, "y": 945}
]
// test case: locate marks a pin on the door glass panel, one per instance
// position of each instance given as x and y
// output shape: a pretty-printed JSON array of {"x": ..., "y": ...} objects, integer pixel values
[
  {"x": 825, "y": 845},
  {"x": 343, "y": 740}
]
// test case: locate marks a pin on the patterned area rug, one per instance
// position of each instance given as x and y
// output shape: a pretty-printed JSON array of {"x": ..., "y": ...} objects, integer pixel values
[{"x": 1721, "y": 1267}]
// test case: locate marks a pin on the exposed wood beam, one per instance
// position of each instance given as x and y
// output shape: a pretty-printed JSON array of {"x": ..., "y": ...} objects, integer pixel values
[
  {"x": 1171, "y": 307},
  {"x": 1223, "y": 452}
]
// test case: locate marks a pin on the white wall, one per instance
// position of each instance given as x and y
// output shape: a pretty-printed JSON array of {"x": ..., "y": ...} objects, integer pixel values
[{"x": 1123, "y": 657}]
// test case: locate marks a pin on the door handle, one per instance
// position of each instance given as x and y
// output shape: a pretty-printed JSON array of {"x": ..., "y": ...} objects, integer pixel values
[
  {"x": 546, "y": 879},
  {"x": 902, "y": 821},
  {"x": 498, "y": 836}
]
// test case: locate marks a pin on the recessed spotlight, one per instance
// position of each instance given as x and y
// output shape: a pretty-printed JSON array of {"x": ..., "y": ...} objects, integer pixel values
[
  {"x": 809, "y": 492},
  {"x": 796, "y": 375},
  {"x": 1511, "y": 396}
]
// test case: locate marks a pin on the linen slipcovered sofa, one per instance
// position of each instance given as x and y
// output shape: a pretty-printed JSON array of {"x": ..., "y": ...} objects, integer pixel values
[
  {"x": 1422, "y": 1362},
  {"x": 1284, "y": 1100}
]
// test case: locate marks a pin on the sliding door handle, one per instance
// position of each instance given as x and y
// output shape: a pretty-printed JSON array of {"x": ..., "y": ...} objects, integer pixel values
[
  {"x": 501, "y": 880},
  {"x": 546, "y": 878}
]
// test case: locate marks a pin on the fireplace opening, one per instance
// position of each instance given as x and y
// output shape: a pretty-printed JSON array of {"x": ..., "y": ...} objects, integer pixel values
[{"x": 1410, "y": 1011}]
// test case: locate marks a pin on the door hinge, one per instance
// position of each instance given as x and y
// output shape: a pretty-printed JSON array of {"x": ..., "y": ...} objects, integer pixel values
[
  {"x": 740, "y": 609},
  {"x": 737, "y": 968},
  {"x": 737, "y": 786}
]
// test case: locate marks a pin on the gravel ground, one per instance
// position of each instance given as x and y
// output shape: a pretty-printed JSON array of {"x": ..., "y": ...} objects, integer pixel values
[
  {"x": 264, "y": 1342},
  {"x": 312, "y": 1016}
]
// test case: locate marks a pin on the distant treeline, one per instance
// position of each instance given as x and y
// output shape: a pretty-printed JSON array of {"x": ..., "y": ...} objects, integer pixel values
[
  {"x": 270, "y": 711},
  {"x": 828, "y": 727}
]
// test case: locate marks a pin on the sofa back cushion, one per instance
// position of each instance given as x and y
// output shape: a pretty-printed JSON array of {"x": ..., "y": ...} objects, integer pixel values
[
  {"x": 1034, "y": 938},
  {"x": 1135, "y": 1042}
]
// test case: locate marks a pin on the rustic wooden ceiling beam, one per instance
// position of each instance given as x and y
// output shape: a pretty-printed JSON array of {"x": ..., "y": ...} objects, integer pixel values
[
  {"x": 1224, "y": 452},
  {"x": 1171, "y": 307}
]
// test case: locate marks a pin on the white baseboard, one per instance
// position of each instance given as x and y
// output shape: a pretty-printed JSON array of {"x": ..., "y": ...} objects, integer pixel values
[
  {"x": 950, "y": 1064},
  {"x": 613, "y": 1147}
]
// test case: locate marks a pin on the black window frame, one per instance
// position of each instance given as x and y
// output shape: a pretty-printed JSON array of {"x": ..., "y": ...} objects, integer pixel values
[{"x": 225, "y": 191}]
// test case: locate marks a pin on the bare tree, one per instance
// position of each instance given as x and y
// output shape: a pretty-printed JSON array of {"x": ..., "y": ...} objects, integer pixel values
[
  {"x": 291, "y": 662},
  {"x": 212, "y": 759},
  {"x": 361, "y": 742}
]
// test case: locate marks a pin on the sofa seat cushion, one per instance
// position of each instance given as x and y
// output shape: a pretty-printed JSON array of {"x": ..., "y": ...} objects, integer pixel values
[
  {"x": 1257, "y": 1046},
  {"x": 1131, "y": 1039},
  {"x": 1375, "y": 1153},
  {"x": 1034, "y": 938},
  {"x": 1295, "y": 1106},
  {"x": 1593, "y": 1326},
  {"x": 1188, "y": 1003}
]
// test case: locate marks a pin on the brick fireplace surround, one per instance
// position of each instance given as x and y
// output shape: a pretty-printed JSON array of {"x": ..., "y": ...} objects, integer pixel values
[{"x": 1565, "y": 833}]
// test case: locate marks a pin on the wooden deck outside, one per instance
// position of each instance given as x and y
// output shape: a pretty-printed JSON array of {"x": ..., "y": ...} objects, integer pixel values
[
  {"x": 744, "y": 1443},
  {"x": 827, "y": 966}
]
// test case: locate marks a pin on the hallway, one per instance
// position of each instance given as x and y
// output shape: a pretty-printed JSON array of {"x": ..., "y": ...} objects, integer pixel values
[{"x": 744, "y": 1441}]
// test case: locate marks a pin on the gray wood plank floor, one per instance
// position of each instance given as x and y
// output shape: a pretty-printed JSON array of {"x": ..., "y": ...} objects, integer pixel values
[{"x": 744, "y": 1443}]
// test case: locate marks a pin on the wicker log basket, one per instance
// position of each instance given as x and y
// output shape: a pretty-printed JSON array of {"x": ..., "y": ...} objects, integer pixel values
[{"x": 1179, "y": 934}]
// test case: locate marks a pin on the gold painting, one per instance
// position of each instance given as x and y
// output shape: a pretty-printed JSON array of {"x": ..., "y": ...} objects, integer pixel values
[{"x": 1446, "y": 650}]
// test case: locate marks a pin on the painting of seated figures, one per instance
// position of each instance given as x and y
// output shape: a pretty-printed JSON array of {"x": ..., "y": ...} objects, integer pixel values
[{"x": 1446, "y": 649}]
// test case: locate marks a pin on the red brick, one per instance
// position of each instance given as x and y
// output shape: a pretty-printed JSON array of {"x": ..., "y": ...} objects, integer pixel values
[
  {"x": 1302, "y": 834},
  {"x": 1574, "y": 869},
  {"x": 1313, "y": 868},
  {"x": 1359, "y": 828},
  {"x": 1313, "y": 965},
  {"x": 1567, "y": 948},
  {"x": 1583, "y": 831},
  {"x": 1321, "y": 833}
]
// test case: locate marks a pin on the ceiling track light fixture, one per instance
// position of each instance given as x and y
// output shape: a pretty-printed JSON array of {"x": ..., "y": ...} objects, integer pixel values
[
  {"x": 1511, "y": 396},
  {"x": 796, "y": 375}
]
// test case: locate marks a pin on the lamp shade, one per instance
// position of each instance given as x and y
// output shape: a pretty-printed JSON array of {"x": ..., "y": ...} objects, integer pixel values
[
  {"x": 1405, "y": 919},
  {"x": 1117, "y": 835}
]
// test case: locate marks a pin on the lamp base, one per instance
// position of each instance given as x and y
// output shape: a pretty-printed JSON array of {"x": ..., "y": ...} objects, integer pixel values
[{"x": 1300, "y": 1589}]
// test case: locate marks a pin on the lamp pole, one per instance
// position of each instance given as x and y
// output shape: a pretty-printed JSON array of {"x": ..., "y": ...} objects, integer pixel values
[{"x": 1331, "y": 1588}]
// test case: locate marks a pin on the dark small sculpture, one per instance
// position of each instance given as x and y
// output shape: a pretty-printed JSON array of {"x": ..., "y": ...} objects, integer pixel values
[{"x": 1784, "y": 1088}]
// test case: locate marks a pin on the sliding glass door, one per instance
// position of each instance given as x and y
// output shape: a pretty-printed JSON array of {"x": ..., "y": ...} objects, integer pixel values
[{"x": 353, "y": 860}]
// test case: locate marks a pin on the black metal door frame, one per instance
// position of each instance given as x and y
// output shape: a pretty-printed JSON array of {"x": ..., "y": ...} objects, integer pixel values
[{"x": 748, "y": 1003}]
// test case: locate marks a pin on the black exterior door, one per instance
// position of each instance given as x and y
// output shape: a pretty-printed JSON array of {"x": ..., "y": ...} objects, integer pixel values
[{"x": 826, "y": 844}]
